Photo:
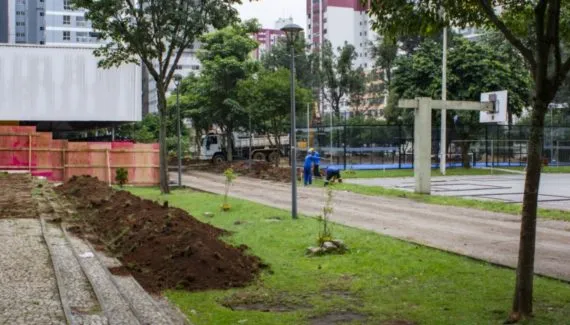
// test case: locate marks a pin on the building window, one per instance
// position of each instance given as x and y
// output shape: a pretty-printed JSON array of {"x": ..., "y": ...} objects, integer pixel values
[
  {"x": 66, "y": 35},
  {"x": 41, "y": 14},
  {"x": 82, "y": 37},
  {"x": 20, "y": 23},
  {"x": 42, "y": 27},
  {"x": 67, "y": 20},
  {"x": 80, "y": 21},
  {"x": 67, "y": 4}
]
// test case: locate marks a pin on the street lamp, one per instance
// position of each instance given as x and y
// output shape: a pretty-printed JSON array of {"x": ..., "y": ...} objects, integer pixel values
[
  {"x": 177, "y": 79},
  {"x": 292, "y": 33}
]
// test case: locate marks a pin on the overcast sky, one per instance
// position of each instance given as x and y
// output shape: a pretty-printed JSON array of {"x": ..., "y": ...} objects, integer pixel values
[{"x": 268, "y": 11}]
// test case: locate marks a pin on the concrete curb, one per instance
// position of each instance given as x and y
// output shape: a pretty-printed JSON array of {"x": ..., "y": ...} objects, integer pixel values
[
  {"x": 114, "y": 306},
  {"x": 56, "y": 268}
]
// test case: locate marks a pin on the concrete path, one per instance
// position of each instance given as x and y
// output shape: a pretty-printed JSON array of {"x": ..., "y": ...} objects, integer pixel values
[
  {"x": 28, "y": 287},
  {"x": 483, "y": 235},
  {"x": 554, "y": 188}
]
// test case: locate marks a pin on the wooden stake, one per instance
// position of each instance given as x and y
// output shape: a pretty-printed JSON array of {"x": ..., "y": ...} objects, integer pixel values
[
  {"x": 30, "y": 152},
  {"x": 108, "y": 166}
]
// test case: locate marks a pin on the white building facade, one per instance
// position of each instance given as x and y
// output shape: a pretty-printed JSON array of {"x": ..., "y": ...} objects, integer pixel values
[{"x": 343, "y": 22}]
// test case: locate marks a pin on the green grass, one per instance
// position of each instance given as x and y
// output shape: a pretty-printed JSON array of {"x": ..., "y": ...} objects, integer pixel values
[
  {"x": 510, "y": 208},
  {"x": 450, "y": 172},
  {"x": 548, "y": 169},
  {"x": 382, "y": 277},
  {"x": 410, "y": 172}
]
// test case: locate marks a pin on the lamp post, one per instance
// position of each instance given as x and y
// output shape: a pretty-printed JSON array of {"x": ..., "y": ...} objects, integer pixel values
[
  {"x": 292, "y": 32},
  {"x": 177, "y": 79}
]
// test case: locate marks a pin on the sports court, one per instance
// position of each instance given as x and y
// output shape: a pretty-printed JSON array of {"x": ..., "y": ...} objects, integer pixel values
[{"x": 554, "y": 188}]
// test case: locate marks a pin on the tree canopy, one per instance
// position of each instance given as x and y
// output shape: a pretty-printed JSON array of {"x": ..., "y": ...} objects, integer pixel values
[{"x": 155, "y": 33}]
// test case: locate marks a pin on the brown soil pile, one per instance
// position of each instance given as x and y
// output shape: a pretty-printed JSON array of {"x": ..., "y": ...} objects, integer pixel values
[
  {"x": 259, "y": 169},
  {"x": 163, "y": 248},
  {"x": 16, "y": 199}
]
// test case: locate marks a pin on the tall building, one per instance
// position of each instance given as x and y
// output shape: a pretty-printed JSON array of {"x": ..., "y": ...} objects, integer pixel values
[
  {"x": 188, "y": 64},
  {"x": 266, "y": 38},
  {"x": 343, "y": 22},
  {"x": 4, "y": 21},
  {"x": 51, "y": 22},
  {"x": 340, "y": 22}
]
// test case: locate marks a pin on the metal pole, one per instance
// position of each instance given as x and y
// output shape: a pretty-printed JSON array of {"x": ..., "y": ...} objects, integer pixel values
[
  {"x": 293, "y": 140},
  {"x": 443, "y": 145},
  {"x": 250, "y": 139},
  {"x": 179, "y": 137},
  {"x": 331, "y": 134},
  {"x": 551, "y": 137},
  {"x": 308, "y": 126}
]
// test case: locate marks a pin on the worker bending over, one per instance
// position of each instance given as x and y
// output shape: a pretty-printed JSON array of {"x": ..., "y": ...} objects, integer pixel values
[{"x": 333, "y": 174}]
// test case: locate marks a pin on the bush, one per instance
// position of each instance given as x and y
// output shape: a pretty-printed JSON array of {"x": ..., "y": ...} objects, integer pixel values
[{"x": 121, "y": 176}]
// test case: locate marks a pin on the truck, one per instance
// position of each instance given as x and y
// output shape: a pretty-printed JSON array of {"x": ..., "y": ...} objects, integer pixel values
[
  {"x": 43, "y": 84},
  {"x": 214, "y": 147}
]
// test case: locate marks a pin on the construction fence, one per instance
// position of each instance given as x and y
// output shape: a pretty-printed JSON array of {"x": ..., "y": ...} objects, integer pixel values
[
  {"x": 24, "y": 149},
  {"x": 392, "y": 146}
]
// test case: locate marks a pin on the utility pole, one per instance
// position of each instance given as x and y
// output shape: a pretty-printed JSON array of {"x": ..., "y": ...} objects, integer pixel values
[{"x": 443, "y": 144}]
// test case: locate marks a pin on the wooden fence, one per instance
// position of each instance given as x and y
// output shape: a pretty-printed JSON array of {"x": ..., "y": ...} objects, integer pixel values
[{"x": 22, "y": 148}]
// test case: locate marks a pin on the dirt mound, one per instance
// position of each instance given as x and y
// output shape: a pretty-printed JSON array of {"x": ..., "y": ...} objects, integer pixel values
[
  {"x": 259, "y": 169},
  {"x": 163, "y": 248}
]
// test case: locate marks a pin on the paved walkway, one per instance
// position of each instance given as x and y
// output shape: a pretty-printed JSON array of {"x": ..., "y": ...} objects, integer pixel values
[
  {"x": 554, "y": 188},
  {"x": 28, "y": 287},
  {"x": 480, "y": 234}
]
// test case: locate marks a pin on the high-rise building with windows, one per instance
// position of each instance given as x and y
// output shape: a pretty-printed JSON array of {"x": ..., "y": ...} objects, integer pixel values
[
  {"x": 340, "y": 22},
  {"x": 52, "y": 22},
  {"x": 343, "y": 22}
]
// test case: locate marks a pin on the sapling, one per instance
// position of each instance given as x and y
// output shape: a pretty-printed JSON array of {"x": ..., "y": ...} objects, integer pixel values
[
  {"x": 122, "y": 176},
  {"x": 230, "y": 177},
  {"x": 325, "y": 233}
]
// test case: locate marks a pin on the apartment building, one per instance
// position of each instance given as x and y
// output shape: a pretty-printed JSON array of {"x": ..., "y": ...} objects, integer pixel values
[
  {"x": 346, "y": 22},
  {"x": 52, "y": 22}
]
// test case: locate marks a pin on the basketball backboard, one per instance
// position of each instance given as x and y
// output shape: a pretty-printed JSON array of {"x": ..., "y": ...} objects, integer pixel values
[{"x": 499, "y": 115}]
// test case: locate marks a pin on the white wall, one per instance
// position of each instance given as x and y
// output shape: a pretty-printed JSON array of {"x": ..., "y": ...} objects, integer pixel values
[{"x": 43, "y": 83}]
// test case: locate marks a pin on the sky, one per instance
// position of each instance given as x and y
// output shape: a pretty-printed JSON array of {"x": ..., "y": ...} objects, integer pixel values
[{"x": 268, "y": 11}]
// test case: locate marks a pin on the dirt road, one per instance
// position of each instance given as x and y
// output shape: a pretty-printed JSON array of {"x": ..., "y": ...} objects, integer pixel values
[{"x": 483, "y": 235}]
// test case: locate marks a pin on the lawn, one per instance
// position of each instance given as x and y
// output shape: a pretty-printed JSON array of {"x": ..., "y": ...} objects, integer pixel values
[
  {"x": 381, "y": 278},
  {"x": 510, "y": 208},
  {"x": 549, "y": 169},
  {"x": 410, "y": 172}
]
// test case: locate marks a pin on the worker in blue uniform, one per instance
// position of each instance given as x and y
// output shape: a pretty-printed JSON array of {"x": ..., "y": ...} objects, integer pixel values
[
  {"x": 333, "y": 174},
  {"x": 309, "y": 159},
  {"x": 316, "y": 163}
]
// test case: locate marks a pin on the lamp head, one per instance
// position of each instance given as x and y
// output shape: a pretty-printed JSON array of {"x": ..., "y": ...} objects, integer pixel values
[{"x": 292, "y": 32}]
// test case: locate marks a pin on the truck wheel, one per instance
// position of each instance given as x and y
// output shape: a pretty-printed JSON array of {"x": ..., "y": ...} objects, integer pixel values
[
  {"x": 218, "y": 159},
  {"x": 258, "y": 155},
  {"x": 274, "y": 156}
]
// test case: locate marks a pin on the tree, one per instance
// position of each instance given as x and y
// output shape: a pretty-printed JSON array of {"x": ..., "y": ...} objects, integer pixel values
[
  {"x": 472, "y": 68},
  {"x": 279, "y": 57},
  {"x": 540, "y": 31},
  {"x": 155, "y": 33},
  {"x": 268, "y": 100},
  {"x": 340, "y": 80},
  {"x": 225, "y": 57}
]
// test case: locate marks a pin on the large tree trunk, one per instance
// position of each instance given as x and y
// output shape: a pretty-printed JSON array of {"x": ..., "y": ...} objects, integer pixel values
[
  {"x": 465, "y": 159},
  {"x": 229, "y": 145},
  {"x": 522, "y": 302},
  {"x": 163, "y": 113}
]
